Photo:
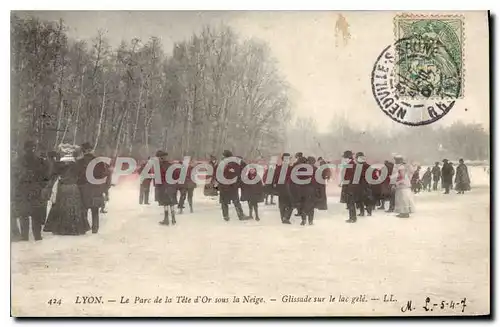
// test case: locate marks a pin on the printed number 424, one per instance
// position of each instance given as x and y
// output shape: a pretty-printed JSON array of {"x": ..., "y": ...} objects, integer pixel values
[{"x": 54, "y": 302}]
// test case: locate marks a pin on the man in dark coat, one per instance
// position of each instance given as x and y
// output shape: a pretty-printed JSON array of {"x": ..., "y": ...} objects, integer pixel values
[
  {"x": 145, "y": 184},
  {"x": 187, "y": 189},
  {"x": 436, "y": 176},
  {"x": 31, "y": 177},
  {"x": 253, "y": 193},
  {"x": 229, "y": 192},
  {"x": 282, "y": 188},
  {"x": 364, "y": 196},
  {"x": 167, "y": 190},
  {"x": 92, "y": 194},
  {"x": 307, "y": 192},
  {"x": 447, "y": 173},
  {"x": 350, "y": 188}
]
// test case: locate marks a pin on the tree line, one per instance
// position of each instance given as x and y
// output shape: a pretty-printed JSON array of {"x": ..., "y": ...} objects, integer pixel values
[
  {"x": 213, "y": 91},
  {"x": 423, "y": 144}
]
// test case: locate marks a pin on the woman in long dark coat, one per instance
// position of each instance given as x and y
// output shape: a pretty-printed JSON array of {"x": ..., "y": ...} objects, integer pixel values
[
  {"x": 253, "y": 193},
  {"x": 462, "y": 180},
  {"x": 67, "y": 215}
]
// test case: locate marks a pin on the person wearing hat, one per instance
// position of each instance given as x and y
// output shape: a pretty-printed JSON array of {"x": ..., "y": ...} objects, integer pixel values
[
  {"x": 282, "y": 187},
  {"x": 346, "y": 158},
  {"x": 92, "y": 194},
  {"x": 167, "y": 190},
  {"x": 67, "y": 215},
  {"x": 436, "y": 176},
  {"x": 229, "y": 192},
  {"x": 447, "y": 173},
  {"x": 30, "y": 177},
  {"x": 403, "y": 194},
  {"x": 350, "y": 188},
  {"x": 426, "y": 180}
]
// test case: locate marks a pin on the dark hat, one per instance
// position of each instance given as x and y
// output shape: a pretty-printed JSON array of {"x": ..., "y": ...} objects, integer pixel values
[
  {"x": 437, "y": 163},
  {"x": 347, "y": 154},
  {"x": 445, "y": 160},
  {"x": 285, "y": 154},
  {"x": 299, "y": 154},
  {"x": 161, "y": 153},
  {"x": 360, "y": 154},
  {"x": 227, "y": 154},
  {"x": 320, "y": 158},
  {"x": 86, "y": 146}
]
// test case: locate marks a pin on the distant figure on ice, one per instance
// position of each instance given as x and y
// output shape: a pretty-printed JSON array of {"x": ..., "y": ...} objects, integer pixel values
[
  {"x": 436, "y": 176},
  {"x": 426, "y": 179},
  {"x": 462, "y": 180},
  {"x": 187, "y": 189},
  {"x": 144, "y": 184},
  {"x": 31, "y": 177},
  {"x": 67, "y": 215},
  {"x": 167, "y": 190},
  {"x": 282, "y": 187},
  {"x": 253, "y": 193},
  {"x": 92, "y": 194},
  {"x": 403, "y": 194},
  {"x": 229, "y": 192},
  {"x": 415, "y": 181},
  {"x": 447, "y": 173}
]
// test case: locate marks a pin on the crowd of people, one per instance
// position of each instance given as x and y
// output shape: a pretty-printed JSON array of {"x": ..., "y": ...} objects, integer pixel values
[
  {"x": 444, "y": 175},
  {"x": 60, "y": 179}
]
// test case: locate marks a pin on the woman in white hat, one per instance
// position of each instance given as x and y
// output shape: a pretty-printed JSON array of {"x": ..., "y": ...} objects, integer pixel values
[
  {"x": 403, "y": 195},
  {"x": 67, "y": 215}
]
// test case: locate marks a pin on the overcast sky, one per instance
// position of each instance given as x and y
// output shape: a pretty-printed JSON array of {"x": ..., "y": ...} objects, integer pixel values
[{"x": 328, "y": 77}]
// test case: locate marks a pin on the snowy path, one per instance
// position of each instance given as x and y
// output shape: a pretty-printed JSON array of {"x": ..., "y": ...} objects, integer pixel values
[{"x": 441, "y": 252}]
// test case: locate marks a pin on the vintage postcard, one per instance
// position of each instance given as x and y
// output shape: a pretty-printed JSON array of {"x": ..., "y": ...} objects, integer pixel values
[{"x": 250, "y": 163}]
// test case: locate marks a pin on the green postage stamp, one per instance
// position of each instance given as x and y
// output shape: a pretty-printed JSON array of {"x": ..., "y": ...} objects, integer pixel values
[{"x": 430, "y": 52}]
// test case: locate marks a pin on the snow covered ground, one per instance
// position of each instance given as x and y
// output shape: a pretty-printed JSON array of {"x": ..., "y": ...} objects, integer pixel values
[{"x": 441, "y": 252}]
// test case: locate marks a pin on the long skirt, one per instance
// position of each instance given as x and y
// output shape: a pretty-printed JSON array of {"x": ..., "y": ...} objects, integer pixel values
[
  {"x": 462, "y": 186},
  {"x": 67, "y": 215},
  {"x": 404, "y": 200},
  {"x": 320, "y": 197}
]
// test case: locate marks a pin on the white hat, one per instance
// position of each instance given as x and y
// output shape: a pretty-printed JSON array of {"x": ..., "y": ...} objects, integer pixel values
[{"x": 68, "y": 158}]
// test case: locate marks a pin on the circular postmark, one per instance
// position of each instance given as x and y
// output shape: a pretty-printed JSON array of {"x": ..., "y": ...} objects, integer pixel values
[{"x": 415, "y": 81}]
